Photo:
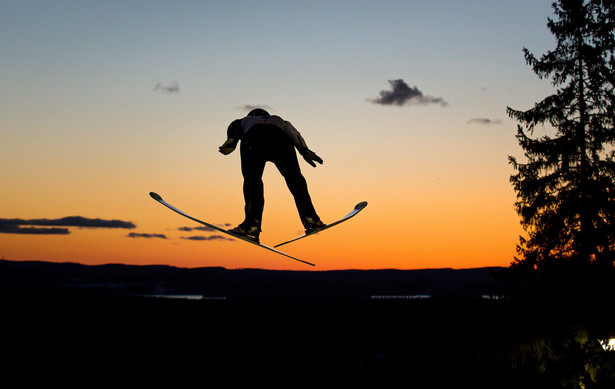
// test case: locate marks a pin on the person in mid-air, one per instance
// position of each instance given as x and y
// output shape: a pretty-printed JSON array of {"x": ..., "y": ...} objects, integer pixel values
[{"x": 264, "y": 138}]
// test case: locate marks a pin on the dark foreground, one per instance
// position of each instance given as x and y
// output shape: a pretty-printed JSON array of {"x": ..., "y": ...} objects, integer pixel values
[
  {"x": 93, "y": 336},
  {"x": 68, "y": 337}
]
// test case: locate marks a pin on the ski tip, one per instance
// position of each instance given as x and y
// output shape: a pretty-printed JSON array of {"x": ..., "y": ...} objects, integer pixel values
[
  {"x": 155, "y": 196},
  {"x": 361, "y": 205}
]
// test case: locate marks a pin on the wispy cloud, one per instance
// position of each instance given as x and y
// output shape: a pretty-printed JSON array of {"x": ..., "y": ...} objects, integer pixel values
[
  {"x": 203, "y": 228},
  {"x": 146, "y": 236},
  {"x": 167, "y": 88},
  {"x": 249, "y": 107},
  {"x": 212, "y": 237},
  {"x": 15, "y": 226},
  {"x": 13, "y": 229},
  {"x": 402, "y": 94},
  {"x": 484, "y": 121}
]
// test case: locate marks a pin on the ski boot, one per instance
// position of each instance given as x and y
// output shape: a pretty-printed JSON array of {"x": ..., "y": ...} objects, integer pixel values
[
  {"x": 313, "y": 225},
  {"x": 248, "y": 230}
]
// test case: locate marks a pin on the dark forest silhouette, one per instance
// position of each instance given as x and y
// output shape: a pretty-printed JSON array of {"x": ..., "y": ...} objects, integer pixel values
[{"x": 564, "y": 274}]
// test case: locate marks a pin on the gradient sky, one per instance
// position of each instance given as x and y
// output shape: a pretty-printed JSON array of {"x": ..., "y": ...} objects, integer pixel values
[{"x": 103, "y": 102}]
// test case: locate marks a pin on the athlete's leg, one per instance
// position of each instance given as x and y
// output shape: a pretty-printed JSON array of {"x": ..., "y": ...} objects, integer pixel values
[
  {"x": 288, "y": 165},
  {"x": 252, "y": 167}
]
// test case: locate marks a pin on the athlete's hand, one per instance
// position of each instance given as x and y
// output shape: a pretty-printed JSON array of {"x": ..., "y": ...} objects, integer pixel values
[
  {"x": 228, "y": 146},
  {"x": 311, "y": 157}
]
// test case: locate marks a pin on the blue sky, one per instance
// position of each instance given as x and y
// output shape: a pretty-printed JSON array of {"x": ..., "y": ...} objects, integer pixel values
[{"x": 238, "y": 49}]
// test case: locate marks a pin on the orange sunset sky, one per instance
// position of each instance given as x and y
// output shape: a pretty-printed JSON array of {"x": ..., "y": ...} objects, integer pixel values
[{"x": 103, "y": 102}]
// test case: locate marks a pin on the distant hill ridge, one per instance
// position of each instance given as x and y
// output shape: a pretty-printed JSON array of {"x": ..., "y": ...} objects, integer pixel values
[{"x": 245, "y": 284}]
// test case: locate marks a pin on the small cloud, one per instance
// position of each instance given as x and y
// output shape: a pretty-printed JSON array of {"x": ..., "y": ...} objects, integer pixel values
[
  {"x": 250, "y": 107},
  {"x": 484, "y": 121},
  {"x": 402, "y": 94},
  {"x": 201, "y": 238},
  {"x": 170, "y": 88},
  {"x": 146, "y": 236}
]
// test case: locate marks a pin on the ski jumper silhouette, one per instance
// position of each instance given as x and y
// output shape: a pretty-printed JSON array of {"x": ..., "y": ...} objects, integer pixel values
[{"x": 269, "y": 138}]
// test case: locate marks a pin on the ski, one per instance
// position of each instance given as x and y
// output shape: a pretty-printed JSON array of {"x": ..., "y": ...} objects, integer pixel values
[
  {"x": 358, "y": 208},
  {"x": 159, "y": 199}
]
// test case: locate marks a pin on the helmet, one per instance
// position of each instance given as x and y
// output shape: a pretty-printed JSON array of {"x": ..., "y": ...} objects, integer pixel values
[{"x": 258, "y": 112}]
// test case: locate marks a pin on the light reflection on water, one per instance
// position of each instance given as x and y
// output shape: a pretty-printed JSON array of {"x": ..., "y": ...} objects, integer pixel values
[
  {"x": 184, "y": 296},
  {"x": 401, "y": 297},
  {"x": 422, "y": 296}
]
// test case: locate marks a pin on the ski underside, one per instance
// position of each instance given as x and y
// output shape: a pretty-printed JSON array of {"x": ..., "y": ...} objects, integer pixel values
[
  {"x": 159, "y": 199},
  {"x": 358, "y": 208}
]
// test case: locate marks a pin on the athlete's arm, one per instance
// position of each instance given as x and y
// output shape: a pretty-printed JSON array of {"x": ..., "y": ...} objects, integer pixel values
[
  {"x": 233, "y": 134},
  {"x": 307, "y": 154}
]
